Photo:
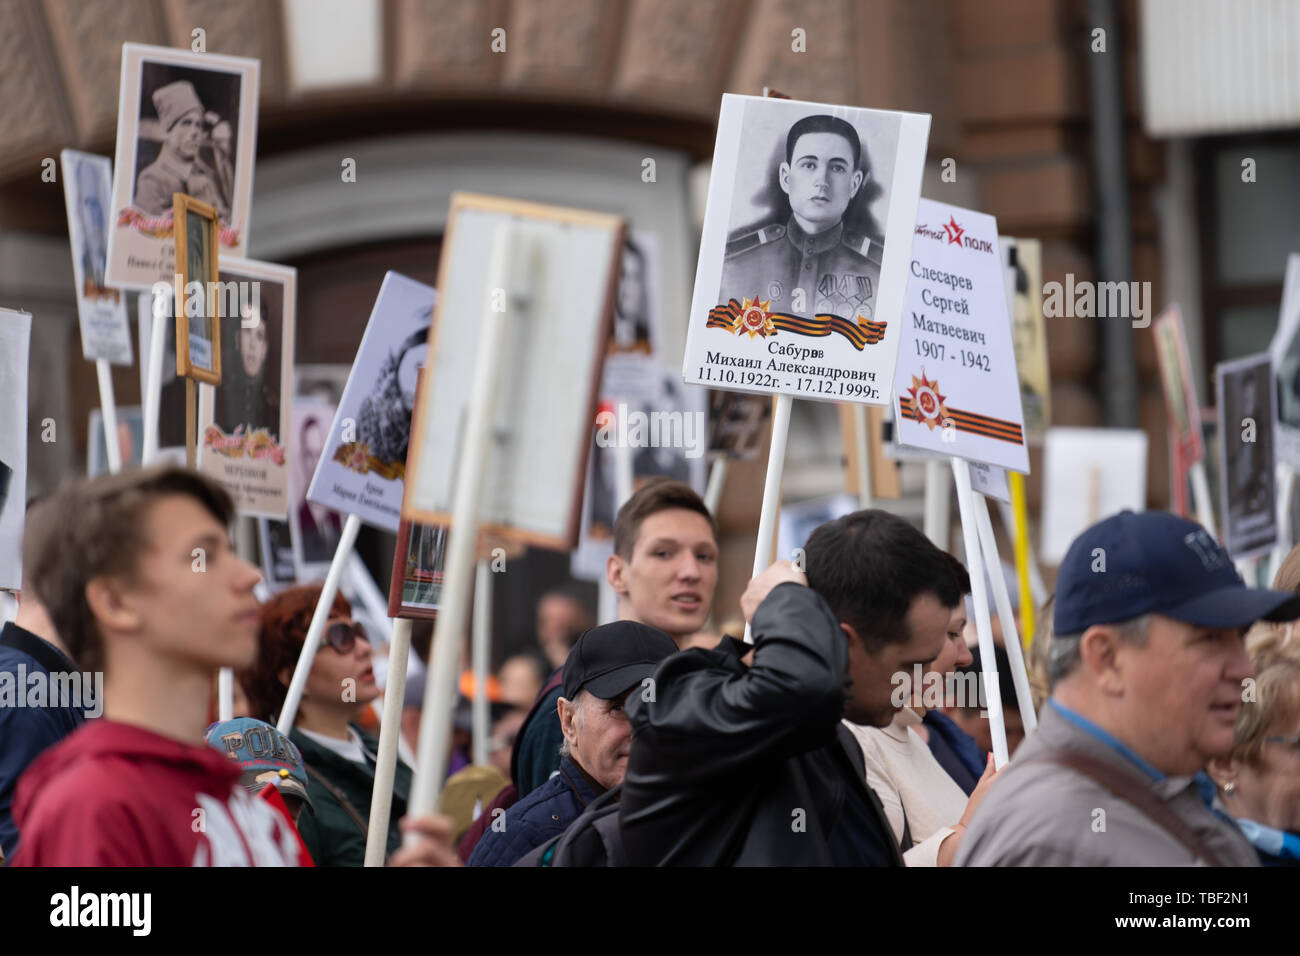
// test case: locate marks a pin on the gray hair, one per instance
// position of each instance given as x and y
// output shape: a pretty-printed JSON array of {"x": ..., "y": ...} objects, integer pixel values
[{"x": 1063, "y": 654}]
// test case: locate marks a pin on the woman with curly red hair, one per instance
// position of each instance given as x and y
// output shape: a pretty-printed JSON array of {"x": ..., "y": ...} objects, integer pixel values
[{"x": 339, "y": 756}]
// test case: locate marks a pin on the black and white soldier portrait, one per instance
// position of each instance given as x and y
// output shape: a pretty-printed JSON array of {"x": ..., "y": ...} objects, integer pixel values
[
  {"x": 808, "y": 235},
  {"x": 1249, "y": 485},
  {"x": 384, "y": 423},
  {"x": 187, "y": 138},
  {"x": 251, "y": 347}
]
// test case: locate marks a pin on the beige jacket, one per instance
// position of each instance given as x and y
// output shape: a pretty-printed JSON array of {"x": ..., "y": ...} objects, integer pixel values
[
  {"x": 1042, "y": 814},
  {"x": 908, "y": 780}
]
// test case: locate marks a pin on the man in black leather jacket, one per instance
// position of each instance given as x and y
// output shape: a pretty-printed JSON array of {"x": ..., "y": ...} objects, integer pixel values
[{"x": 737, "y": 765}]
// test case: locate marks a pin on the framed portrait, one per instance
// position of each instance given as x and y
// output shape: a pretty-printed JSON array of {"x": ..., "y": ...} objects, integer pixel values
[
  {"x": 130, "y": 439},
  {"x": 101, "y": 311},
  {"x": 187, "y": 123},
  {"x": 1247, "y": 453},
  {"x": 804, "y": 254},
  {"x": 418, "y": 564},
  {"x": 15, "y": 341},
  {"x": 198, "y": 325},
  {"x": 314, "y": 528},
  {"x": 363, "y": 469},
  {"x": 563, "y": 277},
  {"x": 1285, "y": 350},
  {"x": 243, "y": 439}
]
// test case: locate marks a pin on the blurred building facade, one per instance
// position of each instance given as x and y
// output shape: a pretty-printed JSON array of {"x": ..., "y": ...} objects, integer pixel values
[{"x": 578, "y": 93}]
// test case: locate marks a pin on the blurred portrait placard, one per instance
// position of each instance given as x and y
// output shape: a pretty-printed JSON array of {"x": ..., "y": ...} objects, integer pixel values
[
  {"x": 1247, "y": 479},
  {"x": 130, "y": 439},
  {"x": 1089, "y": 474},
  {"x": 418, "y": 564},
  {"x": 171, "y": 387},
  {"x": 101, "y": 311},
  {"x": 314, "y": 528},
  {"x": 1181, "y": 406},
  {"x": 562, "y": 275},
  {"x": 186, "y": 123},
  {"x": 738, "y": 423},
  {"x": 244, "y": 443},
  {"x": 956, "y": 391},
  {"x": 275, "y": 545},
  {"x": 363, "y": 469},
  {"x": 1285, "y": 350},
  {"x": 803, "y": 260},
  {"x": 1022, "y": 264},
  {"x": 15, "y": 340},
  {"x": 198, "y": 319}
]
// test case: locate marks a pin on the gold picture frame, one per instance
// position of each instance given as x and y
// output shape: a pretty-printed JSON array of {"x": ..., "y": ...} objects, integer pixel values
[{"x": 192, "y": 220}]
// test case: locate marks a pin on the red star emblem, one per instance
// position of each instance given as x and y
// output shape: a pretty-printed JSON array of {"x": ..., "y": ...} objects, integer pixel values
[
  {"x": 955, "y": 232},
  {"x": 928, "y": 406}
]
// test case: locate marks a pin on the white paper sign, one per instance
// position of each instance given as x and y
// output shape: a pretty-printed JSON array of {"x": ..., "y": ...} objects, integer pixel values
[
  {"x": 363, "y": 467},
  {"x": 955, "y": 389},
  {"x": 990, "y": 481},
  {"x": 1089, "y": 474},
  {"x": 87, "y": 194},
  {"x": 15, "y": 340},
  {"x": 186, "y": 123},
  {"x": 803, "y": 259}
]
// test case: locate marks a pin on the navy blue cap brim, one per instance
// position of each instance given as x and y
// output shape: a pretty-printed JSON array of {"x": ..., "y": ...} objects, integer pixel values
[{"x": 1233, "y": 607}]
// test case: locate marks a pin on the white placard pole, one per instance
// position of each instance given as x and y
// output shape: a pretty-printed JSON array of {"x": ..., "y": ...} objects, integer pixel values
[
  {"x": 771, "y": 490},
  {"x": 479, "y": 655},
  {"x": 938, "y": 509},
  {"x": 321, "y": 616},
  {"x": 1286, "y": 476},
  {"x": 381, "y": 793},
  {"x": 983, "y": 624},
  {"x": 717, "y": 480},
  {"x": 1201, "y": 497},
  {"x": 440, "y": 686},
  {"x": 1002, "y": 598},
  {"x": 860, "y": 445},
  {"x": 108, "y": 409},
  {"x": 624, "y": 477},
  {"x": 153, "y": 386}
]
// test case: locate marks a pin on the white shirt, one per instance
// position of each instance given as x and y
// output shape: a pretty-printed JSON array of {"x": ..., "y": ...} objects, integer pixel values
[
  {"x": 907, "y": 778},
  {"x": 350, "y": 749}
]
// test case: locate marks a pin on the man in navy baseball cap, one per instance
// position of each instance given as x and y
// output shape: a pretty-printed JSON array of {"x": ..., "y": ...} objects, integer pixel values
[{"x": 1148, "y": 670}]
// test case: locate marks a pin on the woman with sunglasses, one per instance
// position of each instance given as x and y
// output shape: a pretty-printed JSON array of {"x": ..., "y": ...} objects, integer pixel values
[{"x": 338, "y": 755}]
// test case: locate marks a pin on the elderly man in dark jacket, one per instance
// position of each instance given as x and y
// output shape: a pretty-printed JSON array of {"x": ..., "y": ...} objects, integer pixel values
[
  {"x": 605, "y": 666},
  {"x": 750, "y": 765}
]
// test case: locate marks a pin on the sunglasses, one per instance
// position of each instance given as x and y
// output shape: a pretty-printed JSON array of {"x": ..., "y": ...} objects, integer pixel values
[{"x": 342, "y": 635}]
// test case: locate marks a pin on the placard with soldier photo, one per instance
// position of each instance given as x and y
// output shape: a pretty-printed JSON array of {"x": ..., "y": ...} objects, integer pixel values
[
  {"x": 186, "y": 123},
  {"x": 101, "y": 311},
  {"x": 15, "y": 340},
  {"x": 1022, "y": 264},
  {"x": 243, "y": 440},
  {"x": 803, "y": 260},
  {"x": 1285, "y": 350},
  {"x": 1247, "y": 479},
  {"x": 418, "y": 564}
]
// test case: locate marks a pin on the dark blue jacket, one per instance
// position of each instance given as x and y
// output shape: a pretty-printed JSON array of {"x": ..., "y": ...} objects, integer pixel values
[
  {"x": 543, "y": 814},
  {"x": 956, "y": 750},
  {"x": 26, "y": 731}
]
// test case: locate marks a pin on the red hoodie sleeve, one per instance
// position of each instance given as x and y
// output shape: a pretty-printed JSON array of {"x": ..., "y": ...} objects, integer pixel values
[{"x": 107, "y": 833}]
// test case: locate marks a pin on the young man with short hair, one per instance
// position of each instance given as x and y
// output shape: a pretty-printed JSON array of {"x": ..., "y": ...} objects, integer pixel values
[{"x": 140, "y": 579}]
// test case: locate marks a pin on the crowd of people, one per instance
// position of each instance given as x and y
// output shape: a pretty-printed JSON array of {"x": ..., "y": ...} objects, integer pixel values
[{"x": 1167, "y": 696}]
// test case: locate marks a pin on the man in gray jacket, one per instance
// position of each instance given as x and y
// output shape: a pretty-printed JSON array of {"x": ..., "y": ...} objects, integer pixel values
[{"x": 1148, "y": 670}]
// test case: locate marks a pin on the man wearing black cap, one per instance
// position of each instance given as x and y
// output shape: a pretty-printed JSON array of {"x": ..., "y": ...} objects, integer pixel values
[
  {"x": 605, "y": 665},
  {"x": 1148, "y": 669}
]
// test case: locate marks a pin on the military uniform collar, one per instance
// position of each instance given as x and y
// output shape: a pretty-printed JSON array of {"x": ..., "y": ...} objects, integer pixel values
[{"x": 813, "y": 245}]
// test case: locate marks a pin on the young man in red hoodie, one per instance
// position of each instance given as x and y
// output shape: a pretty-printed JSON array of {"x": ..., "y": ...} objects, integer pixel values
[{"x": 140, "y": 579}]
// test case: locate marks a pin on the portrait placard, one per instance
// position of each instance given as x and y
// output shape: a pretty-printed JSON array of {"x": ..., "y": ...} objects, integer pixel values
[
  {"x": 1181, "y": 406},
  {"x": 563, "y": 274},
  {"x": 803, "y": 258},
  {"x": 956, "y": 390},
  {"x": 130, "y": 439},
  {"x": 1247, "y": 477},
  {"x": 198, "y": 324},
  {"x": 186, "y": 123},
  {"x": 418, "y": 563},
  {"x": 244, "y": 438},
  {"x": 1089, "y": 474},
  {"x": 1285, "y": 350},
  {"x": 738, "y": 423},
  {"x": 364, "y": 465},
  {"x": 15, "y": 341},
  {"x": 314, "y": 529},
  {"x": 1022, "y": 264},
  {"x": 275, "y": 546},
  {"x": 101, "y": 311}
]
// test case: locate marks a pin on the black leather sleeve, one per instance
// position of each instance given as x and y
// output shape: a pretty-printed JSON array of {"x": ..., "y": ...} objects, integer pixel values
[{"x": 707, "y": 718}]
